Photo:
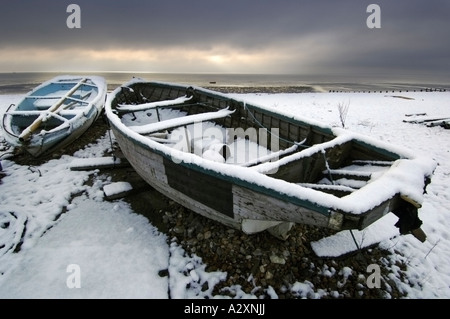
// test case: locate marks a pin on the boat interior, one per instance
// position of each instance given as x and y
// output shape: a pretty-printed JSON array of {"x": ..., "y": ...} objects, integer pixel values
[
  {"x": 233, "y": 132},
  {"x": 37, "y": 105}
]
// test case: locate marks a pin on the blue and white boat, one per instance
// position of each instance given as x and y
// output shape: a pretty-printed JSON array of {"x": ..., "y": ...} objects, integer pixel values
[{"x": 54, "y": 114}]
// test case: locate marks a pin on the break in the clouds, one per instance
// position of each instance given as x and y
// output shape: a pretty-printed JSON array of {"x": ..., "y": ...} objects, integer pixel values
[{"x": 245, "y": 36}]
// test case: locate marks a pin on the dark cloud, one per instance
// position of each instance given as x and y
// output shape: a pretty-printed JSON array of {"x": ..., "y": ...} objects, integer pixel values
[
  {"x": 244, "y": 23},
  {"x": 413, "y": 33}
]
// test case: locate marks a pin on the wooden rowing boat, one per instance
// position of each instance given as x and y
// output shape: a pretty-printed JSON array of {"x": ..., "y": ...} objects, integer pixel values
[
  {"x": 54, "y": 114},
  {"x": 255, "y": 169}
]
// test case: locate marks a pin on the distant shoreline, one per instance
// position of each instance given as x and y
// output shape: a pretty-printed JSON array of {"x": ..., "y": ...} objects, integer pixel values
[
  {"x": 305, "y": 89},
  {"x": 18, "y": 89},
  {"x": 22, "y": 83}
]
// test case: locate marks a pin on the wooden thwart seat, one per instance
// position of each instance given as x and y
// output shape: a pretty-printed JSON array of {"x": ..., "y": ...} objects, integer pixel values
[
  {"x": 271, "y": 157},
  {"x": 337, "y": 190},
  {"x": 74, "y": 100},
  {"x": 180, "y": 121},
  {"x": 147, "y": 106}
]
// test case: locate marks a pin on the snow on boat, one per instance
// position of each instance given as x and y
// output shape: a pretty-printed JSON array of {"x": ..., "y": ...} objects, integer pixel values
[
  {"x": 255, "y": 169},
  {"x": 54, "y": 114}
]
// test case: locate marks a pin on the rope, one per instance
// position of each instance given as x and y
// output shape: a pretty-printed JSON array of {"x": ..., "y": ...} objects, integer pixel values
[
  {"x": 354, "y": 240},
  {"x": 110, "y": 137},
  {"x": 328, "y": 167}
]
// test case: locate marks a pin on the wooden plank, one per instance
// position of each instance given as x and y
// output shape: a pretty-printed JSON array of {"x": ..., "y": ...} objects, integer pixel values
[
  {"x": 151, "y": 105},
  {"x": 117, "y": 190},
  {"x": 373, "y": 163},
  {"x": 177, "y": 122},
  {"x": 427, "y": 120},
  {"x": 445, "y": 123},
  {"x": 250, "y": 204},
  {"x": 87, "y": 164},
  {"x": 336, "y": 190},
  {"x": 271, "y": 157},
  {"x": 353, "y": 175}
]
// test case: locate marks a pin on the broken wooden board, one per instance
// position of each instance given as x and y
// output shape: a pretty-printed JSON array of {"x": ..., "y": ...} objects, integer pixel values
[
  {"x": 346, "y": 241},
  {"x": 86, "y": 164},
  {"x": 445, "y": 123},
  {"x": 429, "y": 121},
  {"x": 415, "y": 114},
  {"x": 402, "y": 97}
]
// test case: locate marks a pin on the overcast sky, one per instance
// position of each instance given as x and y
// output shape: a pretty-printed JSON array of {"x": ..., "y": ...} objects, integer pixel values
[{"x": 231, "y": 36}]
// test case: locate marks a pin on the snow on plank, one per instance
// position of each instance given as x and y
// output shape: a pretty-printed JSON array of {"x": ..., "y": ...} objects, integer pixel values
[
  {"x": 117, "y": 190},
  {"x": 180, "y": 121},
  {"x": 147, "y": 106}
]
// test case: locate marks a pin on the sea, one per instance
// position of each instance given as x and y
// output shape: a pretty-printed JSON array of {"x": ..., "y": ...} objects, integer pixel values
[{"x": 23, "y": 82}]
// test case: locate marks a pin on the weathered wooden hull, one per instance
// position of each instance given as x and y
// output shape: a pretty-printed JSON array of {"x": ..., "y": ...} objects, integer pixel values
[
  {"x": 269, "y": 195},
  {"x": 59, "y": 128},
  {"x": 215, "y": 197}
]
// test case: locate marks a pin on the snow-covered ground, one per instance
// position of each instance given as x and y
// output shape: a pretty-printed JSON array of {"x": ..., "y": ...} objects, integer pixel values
[{"x": 103, "y": 249}]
